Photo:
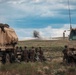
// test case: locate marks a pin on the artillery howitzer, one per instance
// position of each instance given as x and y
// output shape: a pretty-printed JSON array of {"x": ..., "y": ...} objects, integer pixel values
[
  {"x": 72, "y": 39},
  {"x": 70, "y": 49},
  {"x": 8, "y": 40}
]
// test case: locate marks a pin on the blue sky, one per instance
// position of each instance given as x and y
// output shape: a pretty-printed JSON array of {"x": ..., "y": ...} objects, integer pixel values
[{"x": 49, "y": 17}]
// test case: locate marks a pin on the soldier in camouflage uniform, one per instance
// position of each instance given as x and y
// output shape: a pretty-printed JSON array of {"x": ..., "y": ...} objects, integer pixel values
[
  {"x": 29, "y": 55},
  {"x": 25, "y": 54},
  {"x": 41, "y": 55},
  {"x": 74, "y": 56},
  {"x": 32, "y": 54},
  {"x": 36, "y": 54},
  {"x": 65, "y": 57},
  {"x": 70, "y": 56},
  {"x": 19, "y": 54}
]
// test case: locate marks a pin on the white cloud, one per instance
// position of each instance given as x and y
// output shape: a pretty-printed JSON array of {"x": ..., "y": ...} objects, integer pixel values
[
  {"x": 48, "y": 32},
  {"x": 3, "y": 19},
  {"x": 43, "y": 8},
  {"x": 13, "y": 9}
]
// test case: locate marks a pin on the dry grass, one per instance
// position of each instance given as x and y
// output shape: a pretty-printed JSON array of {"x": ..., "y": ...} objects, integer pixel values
[
  {"x": 42, "y": 43},
  {"x": 53, "y": 65}
]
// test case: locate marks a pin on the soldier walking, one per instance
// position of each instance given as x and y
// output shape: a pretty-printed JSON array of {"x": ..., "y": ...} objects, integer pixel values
[{"x": 70, "y": 56}]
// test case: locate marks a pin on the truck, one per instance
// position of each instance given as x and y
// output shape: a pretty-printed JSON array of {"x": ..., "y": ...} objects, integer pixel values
[{"x": 8, "y": 41}]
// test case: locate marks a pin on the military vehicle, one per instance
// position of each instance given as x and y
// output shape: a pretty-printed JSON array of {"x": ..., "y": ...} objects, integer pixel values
[
  {"x": 72, "y": 38},
  {"x": 72, "y": 35},
  {"x": 8, "y": 40},
  {"x": 70, "y": 53}
]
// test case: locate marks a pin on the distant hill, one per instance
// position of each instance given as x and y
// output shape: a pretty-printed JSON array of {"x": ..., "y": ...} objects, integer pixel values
[
  {"x": 37, "y": 39},
  {"x": 43, "y": 43}
]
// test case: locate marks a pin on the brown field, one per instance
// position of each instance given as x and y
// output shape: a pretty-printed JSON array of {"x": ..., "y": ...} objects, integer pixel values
[
  {"x": 53, "y": 66},
  {"x": 42, "y": 43}
]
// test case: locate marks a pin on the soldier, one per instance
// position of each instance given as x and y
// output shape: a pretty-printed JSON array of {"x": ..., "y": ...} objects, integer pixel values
[
  {"x": 18, "y": 54},
  {"x": 16, "y": 50},
  {"x": 29, "y": 55},
  {"x": 21, "y": 53},
  {"x": 41, "y": 56},
  {"x": 74, "y": 55},
  {"x": 70, "y": 56},
  {"x": 65, "y": 57},
  {"x": 36, "y": 54},
  {"x": 32, "y": 54},
  {"x": 25, "y": 54}
]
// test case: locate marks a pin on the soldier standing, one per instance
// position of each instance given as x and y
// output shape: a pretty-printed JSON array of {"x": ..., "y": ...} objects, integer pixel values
[
  {"x": 29, "y": 55},
  {"x": 74, "y": 55},
  {"x": 19, "y": 54},
  {"x": 36, "y": 54},
  {"x": 41, "y": 57},
  {"x": 32, "y": 54},
  {"x": 25, "y": 54},
  {"x": 16, "y": 50},
  {"x": 70, "y": 56},
  {"x": 65, "y": 57}
]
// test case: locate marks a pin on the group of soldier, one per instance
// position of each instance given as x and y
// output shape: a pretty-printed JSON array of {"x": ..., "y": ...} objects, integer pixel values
[
  {"x": 69, "y": 55},
  {"x": 33, "y": 54},
  {"x": 24, "y": 54},
  {"x": 36, "y": 54}
]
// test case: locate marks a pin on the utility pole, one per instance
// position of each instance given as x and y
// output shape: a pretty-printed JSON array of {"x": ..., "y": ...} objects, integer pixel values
[{"x": 69, "y": 14}]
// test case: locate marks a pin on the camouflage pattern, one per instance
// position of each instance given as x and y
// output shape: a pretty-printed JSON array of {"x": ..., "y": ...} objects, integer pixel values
[
  {"x": 37, "y": 54},
  {"x": 32, "y": 54},
  {"x": 19, "y": 53},
  {"x": 25, "y": 54},
  {"x": 41, "y": 57},
  {"x": 65, "y": 56},
  {"x": 69, "y": 55}
]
